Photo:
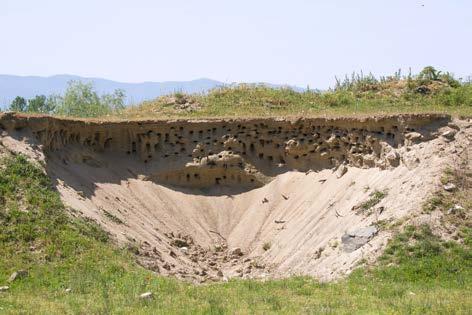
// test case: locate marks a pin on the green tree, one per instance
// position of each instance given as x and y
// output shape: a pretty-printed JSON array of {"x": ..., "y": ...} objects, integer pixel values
[
  {"x": 429, "y": 73},
  {"x": 115, "y": 101},
  {"x": 40, "y": 104},
  {"x": 18, "y": 104},
  {"x": 81, "y": 100}
]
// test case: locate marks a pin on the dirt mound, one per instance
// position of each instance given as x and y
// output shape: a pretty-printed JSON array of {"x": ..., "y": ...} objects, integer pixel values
[{"x": 212, "y": 199}]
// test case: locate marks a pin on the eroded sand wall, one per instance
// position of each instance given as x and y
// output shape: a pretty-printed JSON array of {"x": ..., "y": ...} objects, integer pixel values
[
  {"x": 242, "y": 152},
  {"x": 246, "y": 184}
]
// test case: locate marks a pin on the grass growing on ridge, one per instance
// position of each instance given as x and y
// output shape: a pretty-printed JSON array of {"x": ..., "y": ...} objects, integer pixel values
[
  {"x": 429, "y": 91},
  {"x": 418, "y": 274}
]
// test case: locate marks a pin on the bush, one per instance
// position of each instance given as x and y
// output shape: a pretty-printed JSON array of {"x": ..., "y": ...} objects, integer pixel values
[
  {"x": 18, "y": 104},
  {"x": 81, "y": 100}
]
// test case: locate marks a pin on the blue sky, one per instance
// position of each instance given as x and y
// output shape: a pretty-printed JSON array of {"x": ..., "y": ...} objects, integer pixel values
[{"x": 289, "y": 42}]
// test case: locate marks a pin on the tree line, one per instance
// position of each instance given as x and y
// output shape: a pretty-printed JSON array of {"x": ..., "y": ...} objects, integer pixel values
[{"x": 79, "y": 100}]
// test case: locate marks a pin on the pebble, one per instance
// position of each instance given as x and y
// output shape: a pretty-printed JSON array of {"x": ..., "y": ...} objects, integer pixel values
[
  {"x": 146, "y": 296},
  {"x": 342, "y": 169},
  {"x": 449, "y": 187},
  {"x": 449, "y": 135},
  {"x": 236, "y": 251},
  {"x": 455, "y": 209},
  {"x": 17, "y": 275}
]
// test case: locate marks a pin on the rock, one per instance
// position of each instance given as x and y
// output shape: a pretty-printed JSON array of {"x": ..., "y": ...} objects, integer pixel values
[
  {"x": 453, "y": 126},
  {"x": 449, "y": 187},
  {"x": 17, "y": 275},
  {"x": 358, "y": 238},
  {"x": 180, "y": 243},
  {"x": 342, "y": 169},
  {"x": 236, "y": 251},
  {"x": 146, "y": 296},
  {"x": 4, "y": 288},
  {"x": 423, "y": 89},
  {"x": 414, "y": 137},
  {"x": 68, "y": 290},
  {"x": 219, "y": 273},
  {"x": 455, "y": 209},
  {"x": 449, "y": 134},
  {"x": 393, "y": 158}
]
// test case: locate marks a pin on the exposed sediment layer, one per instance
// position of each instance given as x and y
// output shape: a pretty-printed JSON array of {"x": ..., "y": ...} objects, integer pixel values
[
  {"x": 287, "y": 193},
  {"x": 241, "y": 152}
]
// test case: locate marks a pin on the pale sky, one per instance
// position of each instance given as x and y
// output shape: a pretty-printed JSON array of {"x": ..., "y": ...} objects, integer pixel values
[{"x": 287, "y": 42}]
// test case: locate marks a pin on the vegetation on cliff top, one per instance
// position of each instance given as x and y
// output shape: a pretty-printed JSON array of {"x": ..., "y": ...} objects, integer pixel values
[
  {"x": 429, "y": 91},
  {"x": 71, "y": 266}
]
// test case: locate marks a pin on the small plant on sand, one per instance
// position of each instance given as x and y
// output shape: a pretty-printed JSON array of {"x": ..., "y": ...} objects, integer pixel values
[
  {"x": 112, "y": 217},
  {"x": 266, "y": 246},
  {"x": 375, "y": 197}
]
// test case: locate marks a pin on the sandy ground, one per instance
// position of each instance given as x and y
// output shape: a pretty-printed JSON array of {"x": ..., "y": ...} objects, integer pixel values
[{"x": 292, "y": 225}]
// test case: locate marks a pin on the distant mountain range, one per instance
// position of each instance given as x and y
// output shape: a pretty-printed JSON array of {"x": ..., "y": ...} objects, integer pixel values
[{"x": 30, "y": 86}]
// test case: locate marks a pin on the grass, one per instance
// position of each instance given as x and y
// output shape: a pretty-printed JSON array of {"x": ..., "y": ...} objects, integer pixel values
[
  {"x": 419, "y": 273},
  {"x": 113, "y": 217},
  {"x": 374, "y": 198},
  {"x": 356, "y": 96},
  {"x": 430, "y": 91}
]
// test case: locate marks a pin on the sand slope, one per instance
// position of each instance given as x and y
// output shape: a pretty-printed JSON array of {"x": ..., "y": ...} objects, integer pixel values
[{"x": 289, "y": 220}]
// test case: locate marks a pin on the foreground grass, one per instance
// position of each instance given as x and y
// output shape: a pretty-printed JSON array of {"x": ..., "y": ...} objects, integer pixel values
[{"x": 418, "y": 274}]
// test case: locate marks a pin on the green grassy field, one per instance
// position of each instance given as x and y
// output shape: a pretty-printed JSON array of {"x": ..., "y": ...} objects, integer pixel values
[
  {"x": 418, "y": 274},
  {"x": 356, "y": 96}
]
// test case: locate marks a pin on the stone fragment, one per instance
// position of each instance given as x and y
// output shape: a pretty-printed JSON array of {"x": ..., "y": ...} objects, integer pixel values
[
  {"x": 455, "y": 208},
  {"x": 180, "y": 243},
  {"x": 146, "y": 296},
  {"x": 449, "y": 134},
  {"x": 393, "y": 158},
  {"x": 358, "y": 238},
  {"x": 414, "y": 137},
  {"x": 449, "y": 187},
  {"x": 342, "y": 169},
  {"x": 17, "y": 275},
  {"x": 236, "y": 251},
  {"x": 4, "y": 288}
]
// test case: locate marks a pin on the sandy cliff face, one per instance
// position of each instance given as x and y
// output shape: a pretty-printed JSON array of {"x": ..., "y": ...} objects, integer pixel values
[
  {"x": 243, "y": 152},
  {"x": 187, "y": 192}
]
